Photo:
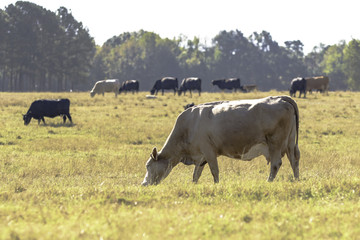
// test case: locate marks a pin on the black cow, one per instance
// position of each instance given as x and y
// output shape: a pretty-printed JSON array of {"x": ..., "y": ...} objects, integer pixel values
[
  {"x": 230, "y": 83},
  {"x": 48, "y": 108},
  {"x": 189, "y": 105},
  {"x": 192, "y": 83},
  {"x": 165, "y": 84},
  {"x": 298, "y": 84},
  {"x": 129, "y": 85}
]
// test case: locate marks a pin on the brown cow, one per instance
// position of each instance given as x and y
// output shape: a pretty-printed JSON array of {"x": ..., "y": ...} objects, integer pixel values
[{"x": 320, "y": 83}]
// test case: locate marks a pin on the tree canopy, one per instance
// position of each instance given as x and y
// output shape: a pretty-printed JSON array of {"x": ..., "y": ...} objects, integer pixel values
[{"x": 42, "y": 50}]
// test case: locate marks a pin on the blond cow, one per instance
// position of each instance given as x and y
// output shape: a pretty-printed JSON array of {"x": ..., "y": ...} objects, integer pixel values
[
  {"x": 320, "y": 83},
  {"x": 242, "y": 129},
  {"x": 110, "y": 85}
]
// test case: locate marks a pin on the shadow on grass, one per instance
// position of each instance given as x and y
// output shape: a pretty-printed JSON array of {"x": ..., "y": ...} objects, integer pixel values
[{"x": 58, "y": 125}]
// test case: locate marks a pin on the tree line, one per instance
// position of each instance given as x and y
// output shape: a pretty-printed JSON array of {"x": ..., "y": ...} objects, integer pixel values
[{"x": 42, "y": 50}]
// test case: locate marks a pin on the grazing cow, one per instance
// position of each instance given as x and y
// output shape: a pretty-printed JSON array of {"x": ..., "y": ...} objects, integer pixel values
[
  {"x": 48, "y": 108},
  {"x": 298, "y": 84},
  {"x": 129, "y": 85},
  {"x": 164, "y": 84},
  {"x": 248, "y": 88},
  {"x": 320, "y": 83},
  {"x": 192, "y": 83},
  {"x": 189, "y": 105},
  {"x": 230, "y": 83},
  {"x": 110, "y": 85},
  {"x": 242, "y": 129}
]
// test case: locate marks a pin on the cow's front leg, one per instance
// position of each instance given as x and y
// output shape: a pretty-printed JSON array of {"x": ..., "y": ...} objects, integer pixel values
[
  {"x": 211, "y": 159},
  {"x": 42, "y": 118},
  {"x": 69, "y": 117},
  {"x": 214, "y": 168}
]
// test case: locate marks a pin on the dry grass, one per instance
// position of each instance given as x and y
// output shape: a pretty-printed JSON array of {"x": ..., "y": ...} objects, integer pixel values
[{"x": 81, "y": 181}]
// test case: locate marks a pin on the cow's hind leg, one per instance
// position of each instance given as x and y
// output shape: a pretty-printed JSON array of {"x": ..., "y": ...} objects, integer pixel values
[
  {"x": 69, "y": 117},
  {"x": 293, "y": 154},
  {"x": 42, "y": 118},
  {"x": 197, "y": 172},
  {"x": 64, "y": 119},
  {"x": 276, "y": 162}
]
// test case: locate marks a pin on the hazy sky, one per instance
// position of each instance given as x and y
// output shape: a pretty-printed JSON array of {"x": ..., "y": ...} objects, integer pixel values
[{"x": 310, "y": 21}]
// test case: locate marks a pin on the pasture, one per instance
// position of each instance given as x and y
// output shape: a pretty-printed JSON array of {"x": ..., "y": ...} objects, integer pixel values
[{"x": 82, "y": 181}]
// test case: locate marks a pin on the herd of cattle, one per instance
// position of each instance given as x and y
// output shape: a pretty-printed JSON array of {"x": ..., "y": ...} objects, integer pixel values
[
  {"x": 242, "y": 129},
  {"x": 303, "y": 85},
  {"x": 52, "y": 108},
  {"x": 167, "y": 83},
  {"x": 309, "y": 84}
]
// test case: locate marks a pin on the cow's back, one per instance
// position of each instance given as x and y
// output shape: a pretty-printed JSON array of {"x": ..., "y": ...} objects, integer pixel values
[
  {"x": 233, "y": 127},
  {"x": 97, "y": 87},
  {"x": 49, "y": 108},
  {"x": 169, "y": 83},
  {"x": 248, "y": 123},
  {"x": 318, "y": 83},
  {"x": 111, "y": 85}
]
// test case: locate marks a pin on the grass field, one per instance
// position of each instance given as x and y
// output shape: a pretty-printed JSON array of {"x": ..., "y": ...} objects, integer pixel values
[{"x": 82, "y": 181}]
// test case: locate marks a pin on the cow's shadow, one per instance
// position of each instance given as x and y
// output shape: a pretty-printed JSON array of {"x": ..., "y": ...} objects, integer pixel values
[{"x": 58, "y": 125}]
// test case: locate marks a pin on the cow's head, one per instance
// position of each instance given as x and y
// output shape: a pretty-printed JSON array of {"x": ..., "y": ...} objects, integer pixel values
[
  {"x": 156, "y": 169},
  {"x": 152, "y": 91},
  {"x": 215, "y": 82},
  {"x": 27, "y": 119},
  {"x": 292, "y": 91},
  {"x": 92, "y": 94}
]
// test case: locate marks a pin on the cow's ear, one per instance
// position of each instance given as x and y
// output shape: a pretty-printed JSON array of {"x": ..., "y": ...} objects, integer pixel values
[{"x": 154, "y": 154}]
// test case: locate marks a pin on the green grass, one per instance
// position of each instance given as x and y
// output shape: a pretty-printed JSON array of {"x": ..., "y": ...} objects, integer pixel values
[{"x": 82, "y": 181}]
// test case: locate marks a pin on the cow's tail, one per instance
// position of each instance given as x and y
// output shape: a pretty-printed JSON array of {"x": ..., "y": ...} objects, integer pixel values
[{"x": 296, "y": 109}]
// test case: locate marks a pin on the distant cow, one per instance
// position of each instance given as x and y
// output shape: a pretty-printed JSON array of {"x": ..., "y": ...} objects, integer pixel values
[
  {"x": 191, "y": 83},
  {"x": 230, "y": 83},
  {"x": 248, "y": 88},
  {"x": 110, "y": 85},
  {"x": 298, "y": 84},
  {"x": 129, "y": 85},
  {"x": 189, "y": 105},
  {"x": 320, "y": 83},
  {"x": 242, "y": 129},
  {"x": 48, "y": 108},
  {"x": 165, "y": 83}
]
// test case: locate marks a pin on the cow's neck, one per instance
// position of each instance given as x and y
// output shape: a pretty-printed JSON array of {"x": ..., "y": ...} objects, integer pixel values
[
  {"x": 172, "y": 159},
  {"x": 171, "y": 152},
  {"x": 174, "y": 146}
]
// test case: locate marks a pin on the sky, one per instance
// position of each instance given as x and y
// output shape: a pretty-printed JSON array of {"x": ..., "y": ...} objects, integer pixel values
[{"x": 310, "y": 21}]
